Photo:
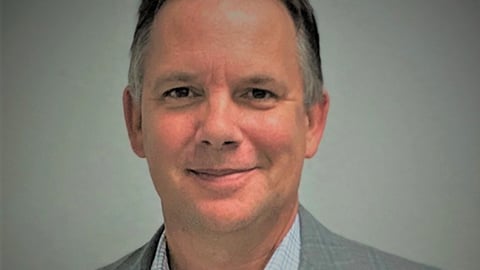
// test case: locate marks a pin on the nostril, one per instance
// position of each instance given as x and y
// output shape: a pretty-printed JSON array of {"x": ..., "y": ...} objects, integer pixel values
[
  {"x": 228, "y": 142},
  {"x": 221, "y": 145},
  {"x": 206, "y": 142}
]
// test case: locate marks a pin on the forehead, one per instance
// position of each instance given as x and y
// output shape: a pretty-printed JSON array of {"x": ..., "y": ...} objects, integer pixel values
[
  {"x": 237, "y": 10},
  {"x": 219, "y": 19},
  {"x": 235, "y": 37}
]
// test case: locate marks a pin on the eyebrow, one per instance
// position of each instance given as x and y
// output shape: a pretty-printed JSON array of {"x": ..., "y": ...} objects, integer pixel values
[
  {"x": 263, "y": 80},
  {"x": 259, "y": 79},
  {"x": 186, "y": 77},
  {"x": 176, "y": 76}
]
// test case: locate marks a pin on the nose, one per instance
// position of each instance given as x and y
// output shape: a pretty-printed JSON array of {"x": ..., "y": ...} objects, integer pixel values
[{"x": 218, "y": 125}]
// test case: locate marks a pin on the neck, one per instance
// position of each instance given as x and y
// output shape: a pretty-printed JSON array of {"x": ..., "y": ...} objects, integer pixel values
[{"x": 249, "y": 248}]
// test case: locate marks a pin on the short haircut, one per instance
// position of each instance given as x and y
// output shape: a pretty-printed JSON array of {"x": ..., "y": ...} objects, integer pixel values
[{"x": 308, "y": 45}]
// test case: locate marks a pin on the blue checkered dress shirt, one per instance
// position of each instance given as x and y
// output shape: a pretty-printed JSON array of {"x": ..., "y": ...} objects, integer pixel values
[{"x": 285, "y": 257}]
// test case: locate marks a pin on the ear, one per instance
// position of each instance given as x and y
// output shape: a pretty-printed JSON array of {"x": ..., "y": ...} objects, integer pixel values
[
  {"x": 316, "y": 120},
  {"x": 132, "y": 112}
]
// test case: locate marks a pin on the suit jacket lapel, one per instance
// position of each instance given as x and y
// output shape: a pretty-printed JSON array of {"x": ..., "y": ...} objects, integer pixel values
[{"x": 317, "y": 246}]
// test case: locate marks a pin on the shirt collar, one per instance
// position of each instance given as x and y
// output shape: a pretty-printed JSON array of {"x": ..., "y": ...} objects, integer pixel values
[{"x": 286, "y": 256}]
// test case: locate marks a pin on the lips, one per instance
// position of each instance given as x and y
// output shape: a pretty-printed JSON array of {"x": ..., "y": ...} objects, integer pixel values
[
  {"x": 221, "y": 181},
  {"x": 218, "y": 173}
]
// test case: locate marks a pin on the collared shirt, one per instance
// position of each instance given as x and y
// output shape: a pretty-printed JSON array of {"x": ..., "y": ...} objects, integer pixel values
[{"x": 286, "y": 256}]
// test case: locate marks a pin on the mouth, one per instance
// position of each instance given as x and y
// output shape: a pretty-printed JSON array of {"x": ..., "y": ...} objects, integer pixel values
[
  {"x": 212, "y": 174},
  {"x": 221, "y": 181}
]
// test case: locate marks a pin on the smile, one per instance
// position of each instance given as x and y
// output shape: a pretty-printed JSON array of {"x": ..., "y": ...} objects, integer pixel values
[
  {"x": 221, "y": 181},
  {"x": 218, "y": 173}
]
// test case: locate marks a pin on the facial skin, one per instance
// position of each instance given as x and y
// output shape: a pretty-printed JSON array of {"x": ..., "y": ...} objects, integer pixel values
[{"x": 221, "y": 121}]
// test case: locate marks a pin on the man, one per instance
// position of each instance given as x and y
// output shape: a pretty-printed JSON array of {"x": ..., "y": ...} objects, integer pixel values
[{"x": 225, "y": 102}]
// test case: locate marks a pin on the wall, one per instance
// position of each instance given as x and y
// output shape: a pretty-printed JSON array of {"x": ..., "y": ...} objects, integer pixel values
[
  {"x": 399, "y": 165},
  {"x": 397, "y": 169},
  {"x": 1, "y": 134},
  {"x": 65, "y": 138}
]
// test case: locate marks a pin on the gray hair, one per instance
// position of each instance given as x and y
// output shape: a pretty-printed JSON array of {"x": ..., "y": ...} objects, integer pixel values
[{"x": 308, "y": 44}]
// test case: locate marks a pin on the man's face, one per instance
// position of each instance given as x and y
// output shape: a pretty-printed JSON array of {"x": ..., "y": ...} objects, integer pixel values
[{"x": 222, "y": 122}]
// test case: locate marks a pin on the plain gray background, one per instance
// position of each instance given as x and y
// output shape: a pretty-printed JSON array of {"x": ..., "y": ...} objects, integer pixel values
[
  {"x": 398, "y": 168},
  {"x": 1, "y": 132}
]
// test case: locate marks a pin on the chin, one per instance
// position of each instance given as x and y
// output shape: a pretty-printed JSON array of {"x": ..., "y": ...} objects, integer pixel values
[{"x": 227, "y": 215}]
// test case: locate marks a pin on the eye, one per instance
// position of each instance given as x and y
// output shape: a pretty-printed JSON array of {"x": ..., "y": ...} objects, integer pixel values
[
  {"x": 259, "y": 94},
  {"x": 179, "y": 92}
]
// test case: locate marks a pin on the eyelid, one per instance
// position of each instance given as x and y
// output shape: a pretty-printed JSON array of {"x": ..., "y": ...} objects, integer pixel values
[
  {"x": 192, "y": 92},
  {"x": 270, "y": 94}
]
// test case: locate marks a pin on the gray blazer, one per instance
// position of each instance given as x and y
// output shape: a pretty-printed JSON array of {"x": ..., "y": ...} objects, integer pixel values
[{"x": 320, "y": 249}]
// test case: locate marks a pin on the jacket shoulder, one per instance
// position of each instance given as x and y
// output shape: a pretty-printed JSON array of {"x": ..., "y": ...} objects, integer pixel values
[
  {"x": 322, "y": 249},
  {"x": 129, "y": 261},
  {"x": 140, "y": 259}
]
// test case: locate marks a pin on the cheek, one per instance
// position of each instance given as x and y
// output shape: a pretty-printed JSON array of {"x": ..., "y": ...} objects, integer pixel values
[
  {"x": 277, "y": 134},
  {"x": 279, "y": 140},
  {"x": 166, "y": 136}
]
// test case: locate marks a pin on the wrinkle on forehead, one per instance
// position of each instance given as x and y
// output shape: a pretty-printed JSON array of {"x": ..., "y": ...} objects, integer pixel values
[
  {"x": 209, "y": 37},
  {"x": 195, "y": 19}
]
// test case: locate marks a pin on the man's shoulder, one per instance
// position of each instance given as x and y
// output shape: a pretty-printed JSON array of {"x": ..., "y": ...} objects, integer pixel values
[
  {"x": 320, "y": 249},
  {"x": 141, "y": 258},
  {"x": 323, "y": 249},
  {"x": 130, "y": 261}
]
